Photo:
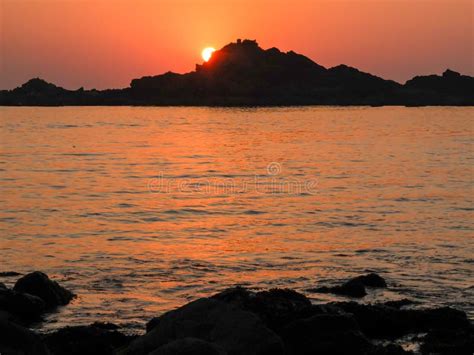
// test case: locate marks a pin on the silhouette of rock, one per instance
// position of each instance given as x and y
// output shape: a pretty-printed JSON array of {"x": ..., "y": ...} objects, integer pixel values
[
  {"x": 15, "y": 339},
  {"x": 276, "y": 307},
  {"x": 240, "y": 321},
  {"x": 23, "y": 305},
  {"x": 451, "y": 88},
  {"x": 9, "y": 273},
  {"x": 325, "y": 334},
  {"x": 449, "y": 342},
  {"x": 39, "y": 284},
  {"x": 242, "y": 73},
  {"x": 398, "y": 303},
  {"x": 351, "y": 288},
  {"x": 381, "y": 321},
  {"x": 39, "y": 86},
  {"x": 91, "y": 340},
  {"x": 371, "y": 280},
  {"x": 105, "y": 325},
  {"x": 189, "y": 346},
  {"x": 235, "y": 330},
  {"x": 354, "y": 287}
]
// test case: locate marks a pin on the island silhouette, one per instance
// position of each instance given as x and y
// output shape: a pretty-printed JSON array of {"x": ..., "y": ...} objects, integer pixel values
[{"x": 244, "y": 74}]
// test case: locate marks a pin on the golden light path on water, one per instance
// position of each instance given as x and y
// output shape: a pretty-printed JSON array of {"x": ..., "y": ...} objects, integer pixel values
[{"x": 139, "y": 210}]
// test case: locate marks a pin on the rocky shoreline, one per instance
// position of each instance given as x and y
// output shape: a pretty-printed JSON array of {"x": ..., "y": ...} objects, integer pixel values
[{"x": 240, "y": 321}]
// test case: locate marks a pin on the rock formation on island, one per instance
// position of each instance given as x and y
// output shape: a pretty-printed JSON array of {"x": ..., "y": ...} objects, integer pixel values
[{"x": 242, "y": 73}]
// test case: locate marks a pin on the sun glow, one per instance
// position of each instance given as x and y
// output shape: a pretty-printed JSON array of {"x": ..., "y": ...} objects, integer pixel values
[{"x": 207, "y": 53}]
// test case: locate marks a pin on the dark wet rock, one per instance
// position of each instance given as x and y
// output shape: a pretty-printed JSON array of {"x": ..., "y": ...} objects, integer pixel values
[
  {"x": 371, "y": 280},
  {"x": 39, "y": 284},
  {"x": 152, "y": 323},
  {"x": 351, "y": 288},
  {"x": 105, "y": 325},
  {"x": 449, "y": 342},
  {"x": 15, "y": 339},
  {"x": 336, "y": 328},
  {"x": 325, "y": 334},
  {"x": 276, "y": 307},
  {"x": 239, "y": 321},
  {"x": 382, "y": 321},
  {"x": 440, "y": 318},
  {"x": 23, "y": 305},
  {"x": 91, "y": 340},
  {"x": 9, "y": 273},
  {"x": 223, "y": 324},
  {"x": 2, "y": 286},
  {"x": 399, "y": 303},
  {"x": 189, "y": 346},
  {"x": 354, "y": 287}
]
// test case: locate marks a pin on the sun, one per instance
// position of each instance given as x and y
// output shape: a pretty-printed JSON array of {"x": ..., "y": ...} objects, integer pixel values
[{"x": 207, "y": 53}]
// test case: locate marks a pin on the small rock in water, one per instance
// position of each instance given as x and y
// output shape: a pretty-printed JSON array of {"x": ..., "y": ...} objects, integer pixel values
[
  {"x": 371, "y": 280},
  {"x": 9, "y": 273},
  {"x": 39, "y": 284},
  {"x": 105, "y": 325},
  {"x": 354, "y": 287},
  {"x": 350, "y": 288}
]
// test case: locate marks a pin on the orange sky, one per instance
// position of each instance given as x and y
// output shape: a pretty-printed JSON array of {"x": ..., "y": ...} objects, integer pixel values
[{"x": 106, "y": 43}]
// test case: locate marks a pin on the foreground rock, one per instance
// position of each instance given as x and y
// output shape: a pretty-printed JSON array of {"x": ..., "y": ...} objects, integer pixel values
[
  {"x": 189, "y": 346},
  {"x": 354, "y": 287},
  {"x": 276, "y": 307},
  {"x": 225, "y": 326},
  {"x": 325, "y": 334},
  {"x": 39, "y": 284},
  {"x": 303, "y": 328},
  {"x": 95, "y": 339},
  {"x": 15, "y": 339},
  {"x": 459, "y": 342},
  {"x": 239, "y": 321},
  {"x": 24, "y": 306},
  {"x": 382, "y": 321},
  {"x": 32, "y": 296}
]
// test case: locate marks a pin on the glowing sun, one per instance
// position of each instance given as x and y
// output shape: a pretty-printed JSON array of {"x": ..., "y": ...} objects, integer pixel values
[{"x": 207, "y": 53}]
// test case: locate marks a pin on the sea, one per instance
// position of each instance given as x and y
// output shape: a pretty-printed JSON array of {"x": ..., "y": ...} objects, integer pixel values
[{"x": 139, "y": 210}]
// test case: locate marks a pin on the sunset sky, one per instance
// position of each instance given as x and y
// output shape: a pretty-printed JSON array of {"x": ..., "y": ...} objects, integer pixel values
[{"x": 106, "y": 43}]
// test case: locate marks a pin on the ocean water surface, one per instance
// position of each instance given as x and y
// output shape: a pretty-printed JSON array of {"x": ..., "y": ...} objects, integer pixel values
[{"x": 140, "y": 210}]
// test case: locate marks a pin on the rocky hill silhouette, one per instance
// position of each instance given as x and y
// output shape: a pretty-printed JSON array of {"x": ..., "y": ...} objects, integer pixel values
[{"x": 242, "y": 73}]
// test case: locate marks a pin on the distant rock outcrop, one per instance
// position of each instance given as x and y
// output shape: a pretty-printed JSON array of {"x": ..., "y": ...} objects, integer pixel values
[{"x": 242, "y": 73}]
